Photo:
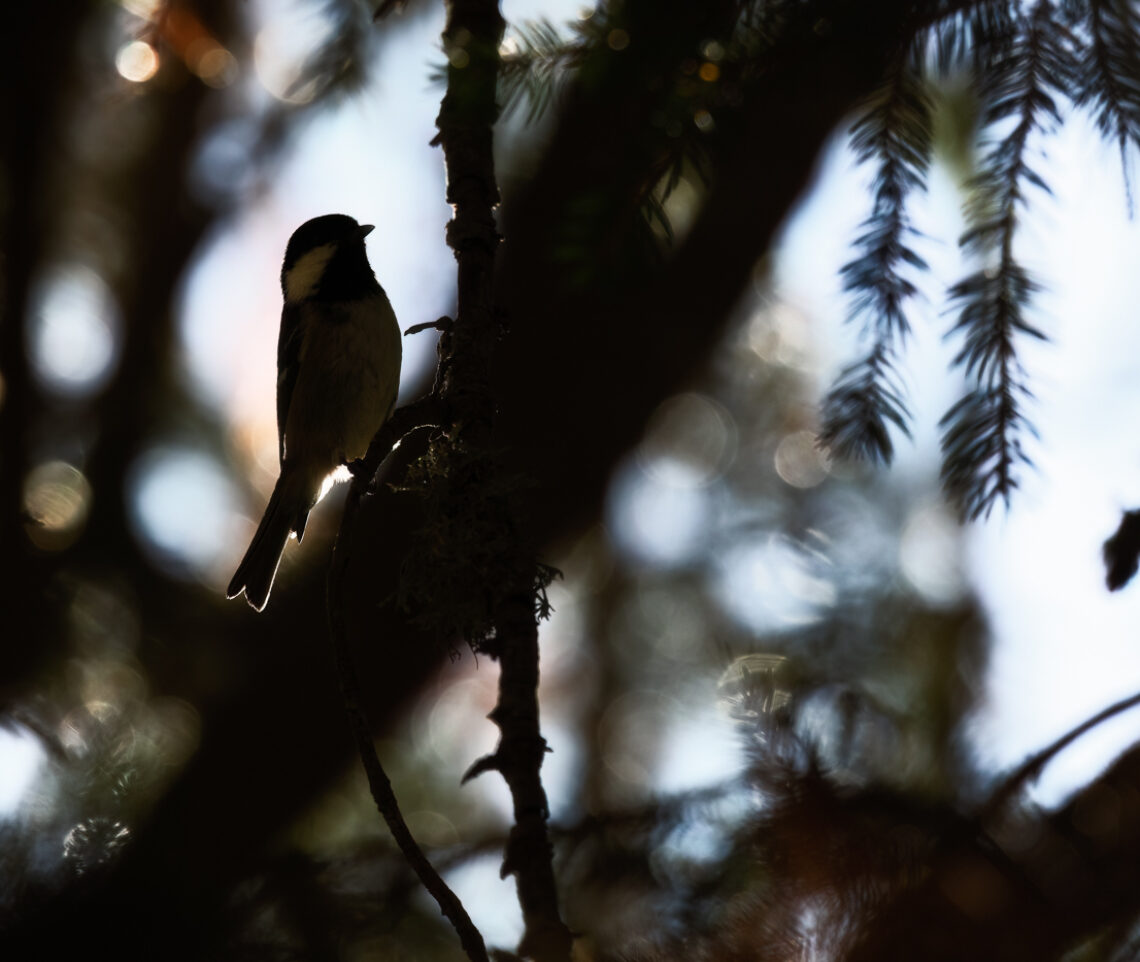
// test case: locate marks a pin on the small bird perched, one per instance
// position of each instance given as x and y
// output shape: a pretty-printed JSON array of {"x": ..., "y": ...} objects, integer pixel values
[{"x": 338, "y": 371}]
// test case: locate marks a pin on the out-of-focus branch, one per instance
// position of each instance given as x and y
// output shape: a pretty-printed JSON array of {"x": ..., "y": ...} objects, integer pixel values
[
  {"x": 36, "y": 72},
  {"x": 1030, "y": 770},
  {"x": 1064, "y": 878}
]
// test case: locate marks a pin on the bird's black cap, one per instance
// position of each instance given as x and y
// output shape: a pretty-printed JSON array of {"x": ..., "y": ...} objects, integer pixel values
[{"x": 328, "y": 229}]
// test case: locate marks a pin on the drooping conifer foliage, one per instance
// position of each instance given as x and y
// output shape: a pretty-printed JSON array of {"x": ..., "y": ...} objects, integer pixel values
[
  {"x": 982, "y": 432},
  {"x": 1106, "y": 69},
  {"x": 1024, "y": 61},
  {"x": 1027, "y": 63},
  {"x": 894, "y": 134}
]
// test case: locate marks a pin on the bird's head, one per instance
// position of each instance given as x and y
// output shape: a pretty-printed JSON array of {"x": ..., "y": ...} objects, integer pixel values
[{"x": 325, "y": 259}]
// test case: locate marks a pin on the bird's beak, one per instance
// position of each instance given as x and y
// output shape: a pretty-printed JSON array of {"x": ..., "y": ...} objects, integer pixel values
[{"x": 364, "y": 230}]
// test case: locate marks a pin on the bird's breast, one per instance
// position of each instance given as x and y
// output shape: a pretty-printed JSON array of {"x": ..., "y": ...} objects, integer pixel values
[{"x": 347, "y": 381}]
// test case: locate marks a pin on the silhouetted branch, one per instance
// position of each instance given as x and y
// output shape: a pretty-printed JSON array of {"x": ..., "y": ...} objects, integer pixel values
[
  {"x": 510, "y": 633},
  {"x": 1063, "y": 878},
  {"x": 423, "y": 413},
  {"x": 1030, "y": 770}
]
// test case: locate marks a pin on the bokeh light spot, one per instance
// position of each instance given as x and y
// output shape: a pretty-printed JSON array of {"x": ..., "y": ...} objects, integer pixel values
[
  {"x": 655, "y": 521},
  {"x": 57, "y": 500},
  {"x": 698, "y": 750},
  {"x": 488, "y": 897},
  {"x": 181, "y": 503},
  {"x": 773, "y": 585},
  {"x": 712, "y": 50},
  {"x": 929, "y": 555},
  {"x": 281, "y": 50},
  {"x": 799, "y": 461},
  {"x": 222, "y": 167},
  {"x": 137, "y": 61},
  {"x": 20, "y": 758},
  {"x": 780, "y": 333},
  {"x": 618, "y": 39},
  {"x": 74, "y": 325},
  {"x": 709, "y": 72},
  {"x": 212, "y": 62},
  {"x": 690, "y": 441}
]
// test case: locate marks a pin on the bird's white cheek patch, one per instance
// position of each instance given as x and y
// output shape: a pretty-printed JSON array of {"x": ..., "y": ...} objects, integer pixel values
[{"x": 302, "y": 278}]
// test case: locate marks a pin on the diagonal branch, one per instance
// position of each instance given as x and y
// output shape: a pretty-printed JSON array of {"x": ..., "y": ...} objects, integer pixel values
[
  {"x": 423, "y": 413},
  {"x": 1030, "y": 770}
]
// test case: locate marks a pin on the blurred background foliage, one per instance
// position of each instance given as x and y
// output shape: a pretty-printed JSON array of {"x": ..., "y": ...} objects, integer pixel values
[{"x": 763, "y": 667}]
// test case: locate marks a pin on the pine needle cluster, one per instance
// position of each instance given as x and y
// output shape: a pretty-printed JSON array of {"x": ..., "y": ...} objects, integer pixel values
[{"x": 1025, "y": 61}]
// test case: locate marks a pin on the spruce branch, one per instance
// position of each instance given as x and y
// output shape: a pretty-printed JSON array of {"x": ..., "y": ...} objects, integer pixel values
[
  {"x": 894, "y": 132},
  {"x": 1107, "y": 71},
  {"x": 861, "y": 407},
  {"x": 537, "y": 61},
  {"x": 968, "y": 34},
  {"x": 981, "y": 442}
]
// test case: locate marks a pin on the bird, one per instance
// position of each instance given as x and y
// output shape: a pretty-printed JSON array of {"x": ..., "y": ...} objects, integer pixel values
[{"x": 338, "y": 373}]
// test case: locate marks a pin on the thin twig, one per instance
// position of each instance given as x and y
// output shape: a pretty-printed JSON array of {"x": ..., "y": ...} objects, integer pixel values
[
  {"x": 529, "y": 854},
  {"x": 1031, "y": 769},
  {"x": 424, "y": 413}
]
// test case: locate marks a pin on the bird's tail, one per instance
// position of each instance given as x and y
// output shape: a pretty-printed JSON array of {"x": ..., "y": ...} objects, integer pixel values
[{"x": 286, "y": 512}]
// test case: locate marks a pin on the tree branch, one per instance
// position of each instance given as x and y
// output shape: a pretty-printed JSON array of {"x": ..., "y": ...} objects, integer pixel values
[
  {"x": 471, "y": 39},
  {"x": 1030, "y": 770},
  {"x": 423, "y": 413},
  {"x": 35, "y": 81}
]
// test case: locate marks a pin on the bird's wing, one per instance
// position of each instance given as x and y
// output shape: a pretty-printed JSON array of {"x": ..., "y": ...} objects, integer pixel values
[{"x": 288, "y": 363}]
